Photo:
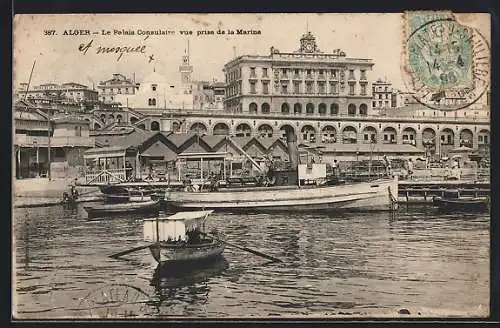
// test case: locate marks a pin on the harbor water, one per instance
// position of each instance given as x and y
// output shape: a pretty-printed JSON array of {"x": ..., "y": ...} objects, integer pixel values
[{"x": 357, "y": 264}]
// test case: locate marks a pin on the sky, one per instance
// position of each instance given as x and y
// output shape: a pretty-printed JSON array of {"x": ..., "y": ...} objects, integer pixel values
[{"x": 58, "y": 59}]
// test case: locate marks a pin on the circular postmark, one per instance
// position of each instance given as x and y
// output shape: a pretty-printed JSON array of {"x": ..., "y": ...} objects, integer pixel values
[
  {"x": 446, "y": 65},
  {"x": 117, "y": 301}
]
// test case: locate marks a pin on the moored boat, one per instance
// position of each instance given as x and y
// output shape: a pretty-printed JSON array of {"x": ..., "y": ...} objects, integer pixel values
[
  {"x": 180, "y": 239},
  {"x": 151, "y": 206},
  {"x": 372, "y": 195},
  {"x": 453, "y": 201}
]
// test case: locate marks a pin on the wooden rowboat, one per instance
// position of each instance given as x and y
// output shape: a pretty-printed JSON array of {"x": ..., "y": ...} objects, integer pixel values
[
  {"x": 120, "y": 208},
  {"x": 462, "y": 203},
  {"x": 179, "y": 239}
]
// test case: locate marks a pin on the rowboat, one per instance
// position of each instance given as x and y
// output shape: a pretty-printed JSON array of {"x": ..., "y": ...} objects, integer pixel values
[
  {"x": 372, "y": 195},
  {"x": 151, "y": 206},
  {"x": 462, "y": 204},
  {"x": 180, "y": 239}
]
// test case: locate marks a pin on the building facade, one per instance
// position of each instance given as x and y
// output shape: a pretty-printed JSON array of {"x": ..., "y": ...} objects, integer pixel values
[
  {"x": 118, "y": 84},
  {"x": 69, "y": 92},
  {"x": 35, "y": 131},
  {"x": 306, "y": 81},
  {"x": 385, "y": 96}
]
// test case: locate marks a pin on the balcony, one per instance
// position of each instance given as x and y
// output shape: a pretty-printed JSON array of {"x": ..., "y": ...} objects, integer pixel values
[{"x": 36, "y": 141}]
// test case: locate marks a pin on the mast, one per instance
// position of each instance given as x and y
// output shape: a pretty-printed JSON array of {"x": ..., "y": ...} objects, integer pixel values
[{"x": 29, "y": 81}]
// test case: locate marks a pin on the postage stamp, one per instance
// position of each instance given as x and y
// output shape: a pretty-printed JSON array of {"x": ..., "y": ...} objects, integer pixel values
[{"x": 444, "y": 59}]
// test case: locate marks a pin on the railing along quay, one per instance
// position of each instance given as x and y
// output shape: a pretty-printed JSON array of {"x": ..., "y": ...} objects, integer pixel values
[{"x": 428, "y": 189}]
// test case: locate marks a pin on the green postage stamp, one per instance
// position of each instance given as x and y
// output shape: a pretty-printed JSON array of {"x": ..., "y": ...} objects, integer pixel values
[{"x": 444, "y": 59}]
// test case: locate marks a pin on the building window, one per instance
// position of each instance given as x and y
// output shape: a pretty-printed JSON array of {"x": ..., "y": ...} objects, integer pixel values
[
  {"x": 321, "y": 87},
  {"x": 152, "y": 101},
  {"x": 374, "y": 104},
  {"x": 363, "y": 74},
  {"x": 309, "y": 109},
  {"x": 252, "y": 108},
  {"x": 334, "y": 109},
  {"x": 363, "y": 110},
  {"x": 363, "y": 89},
  {"x": 351, "y": 110},
  {"x": 264, "y": 71},
  {"x": 266, "y": 108},
  {"x": 334, "y": 88},
  {"x": 296, "y": 86},
  {"x": 285, "y": 108},
  {"x": 153, "y": 86},
  {"x": 351, "y": 89},
  {"x": 78, "y": 131},
  {"x": 252, "y": 87},
  {"x": 252, "y": 72},
  {"x": 351, "y": 75},
  {"x": 309, "y": 87},
  {"x": 322, "y": 109},
  {"x": 296, "y": 72},
  {"x": 265, "y": 88},
  {"x": 297, "y": 108},
  {"x": 284, "y": 73},
  {"x": 284, "y": 89},
  {"x": 335, "y": 73}
]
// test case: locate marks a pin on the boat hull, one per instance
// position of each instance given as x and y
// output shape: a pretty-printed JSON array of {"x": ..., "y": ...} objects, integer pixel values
[
  {"x": 462, "y": 204},
  {"x": 374, "y": 195},
  {"x": 120, "y": 208},
  {"x": 185, "y": 254}
]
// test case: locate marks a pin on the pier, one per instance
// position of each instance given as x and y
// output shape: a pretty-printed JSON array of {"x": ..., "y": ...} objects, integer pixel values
[{"x": 418, "y": 191}]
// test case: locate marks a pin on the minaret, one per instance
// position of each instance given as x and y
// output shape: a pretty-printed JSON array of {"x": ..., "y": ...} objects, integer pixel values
[{"x": 185, "y": 68}]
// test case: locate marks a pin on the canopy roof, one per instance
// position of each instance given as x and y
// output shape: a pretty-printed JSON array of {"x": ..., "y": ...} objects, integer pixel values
[
  {"x": 105, "y": 152},
  {"x": 175, "y": 226}
]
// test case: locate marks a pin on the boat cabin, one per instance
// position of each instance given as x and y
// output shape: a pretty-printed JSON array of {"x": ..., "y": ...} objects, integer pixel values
[{"x": 182, "y": 227}]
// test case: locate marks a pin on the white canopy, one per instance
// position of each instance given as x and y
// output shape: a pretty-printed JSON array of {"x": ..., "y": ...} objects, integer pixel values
[{"x": 175, "y": 226}]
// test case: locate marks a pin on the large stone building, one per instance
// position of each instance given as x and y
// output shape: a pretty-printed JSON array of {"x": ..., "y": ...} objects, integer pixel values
[
  {"x": 385, "y": 96},
  {"x": 306, "y": 81},
  {"x": 70, "y": 92},
  {"x": 117, "y": 85}
]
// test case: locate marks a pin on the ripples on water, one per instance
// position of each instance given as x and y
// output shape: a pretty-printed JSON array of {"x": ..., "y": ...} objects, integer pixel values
[{"x": 363, "y": 263}]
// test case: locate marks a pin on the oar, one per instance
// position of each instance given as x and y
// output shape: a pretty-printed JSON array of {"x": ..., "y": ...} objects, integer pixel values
[
  {"x": 135, "y": 249},
  {"x": 249, "y": 250}
]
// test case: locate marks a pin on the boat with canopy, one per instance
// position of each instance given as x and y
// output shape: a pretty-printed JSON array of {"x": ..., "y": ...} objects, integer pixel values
[{"x": 181, "y": 238}]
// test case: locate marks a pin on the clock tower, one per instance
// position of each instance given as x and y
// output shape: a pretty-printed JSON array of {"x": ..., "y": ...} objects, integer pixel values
[{"x": 308, "y": 43}]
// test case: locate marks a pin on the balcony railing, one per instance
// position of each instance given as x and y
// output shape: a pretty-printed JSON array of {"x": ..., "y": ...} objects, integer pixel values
[{"x": 41, "y": 141}]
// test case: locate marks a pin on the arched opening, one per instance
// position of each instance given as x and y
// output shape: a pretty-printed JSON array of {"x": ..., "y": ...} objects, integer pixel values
[
  {"x": 308, "y": 134},
  {"x": 111, "y": 117},
  {"x": 133, "y": 120},
  {"x": 309, "y": 109},
  {"x": 334, "y": 109},
  {"x": 118, "y": 118},
  {"x": 363, "y": 110},
  {"x": 466, "y": 138},
  {"x": 176, "y": 127},
  {"x": 266, "y": 109},
  {"x": 369, "y": 135},
  {"x": 447, "y": 136},
  {"x": 390, "y": 135},
  {"x": 287, "y": 130},
  {"x": 142, "y": 126},
  {"x": 97, "y": 126},
  {"x": 328, "y": 134},
  {"x": 252, "y": 108},
  {"x": 297, "y": 108},
  {"x": 285, "y": 108},
  {"x": 265, "y": 130},
  {"x": 103, "y": 117},
  {"x": 243, "y": 130},
  {"x": 322, "y": 109},
  {"x": 410, "y": 136},
  {"x": 198, "y": 128},
  {"x": 351, "y": 110},
  {"x": 155, "y": 126},
  {"x": 349, "y": 135},
  {"x": 221, "y": 129}
]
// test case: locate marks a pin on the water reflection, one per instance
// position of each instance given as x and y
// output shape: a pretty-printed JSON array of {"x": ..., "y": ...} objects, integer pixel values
[{"x": 185, "y": 284}]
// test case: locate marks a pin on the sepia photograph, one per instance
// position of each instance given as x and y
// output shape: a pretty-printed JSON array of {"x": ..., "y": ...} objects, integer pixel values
[{"x": 216, "y": 166}]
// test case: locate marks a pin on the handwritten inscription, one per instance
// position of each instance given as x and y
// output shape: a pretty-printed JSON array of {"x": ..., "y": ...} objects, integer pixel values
[{"x": 119, "y": 50}]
